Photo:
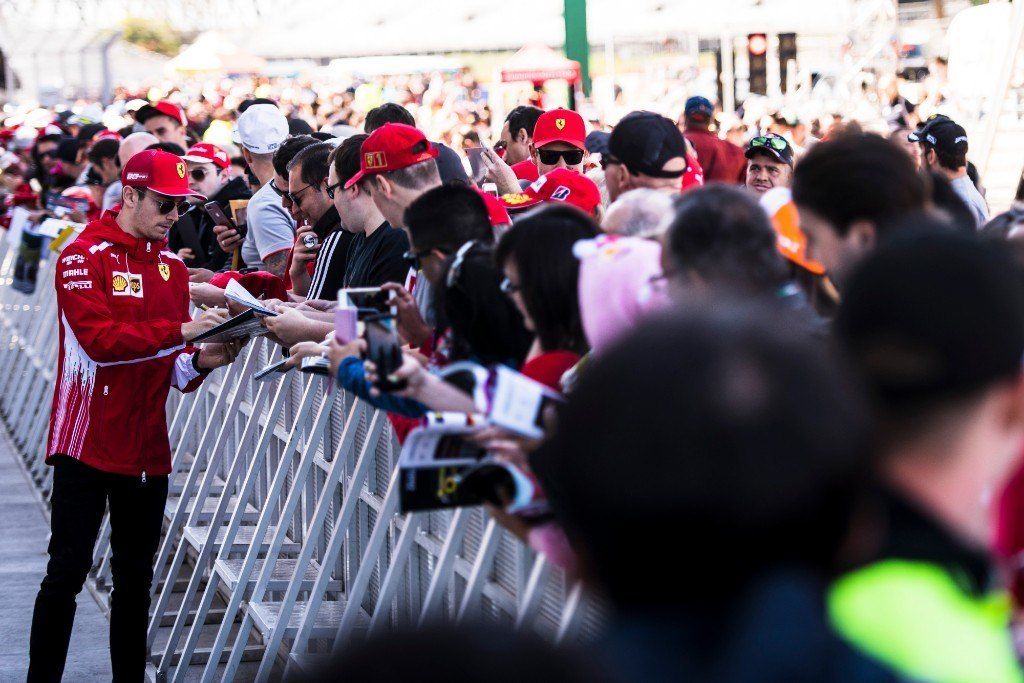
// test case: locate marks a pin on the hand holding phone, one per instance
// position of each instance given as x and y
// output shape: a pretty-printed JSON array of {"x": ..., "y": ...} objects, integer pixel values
[{"x": 220, "y": 218}]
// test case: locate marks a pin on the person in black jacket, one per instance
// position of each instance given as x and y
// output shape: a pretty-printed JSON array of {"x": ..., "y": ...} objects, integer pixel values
[{"x": 192, "y": 237}]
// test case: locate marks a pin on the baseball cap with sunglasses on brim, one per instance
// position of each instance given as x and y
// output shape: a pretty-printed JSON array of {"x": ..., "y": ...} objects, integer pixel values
[{"x": 775, "y": 146}]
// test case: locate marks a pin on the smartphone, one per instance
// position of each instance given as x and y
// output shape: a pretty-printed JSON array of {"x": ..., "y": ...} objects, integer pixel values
[
  {"x": 220, "y": 218},
  {"x": 383, "y": 349},
  {"x": 368, "y": 300},
  {"x": 476, "y": 163}
]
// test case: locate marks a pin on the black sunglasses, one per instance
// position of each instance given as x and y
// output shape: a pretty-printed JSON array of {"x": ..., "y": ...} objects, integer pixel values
[
  {"x": 198, "y": 174},
  {"x": 167, "y": 205},
  {"x": 277, "y": 190},
  {"x": 330, "y": 189},
  {"x": 415, "y": 258},
  {"x": 293, "y": 197},
  {"x": 550, "y": 157},
  {"x": 607, "y": 159}
]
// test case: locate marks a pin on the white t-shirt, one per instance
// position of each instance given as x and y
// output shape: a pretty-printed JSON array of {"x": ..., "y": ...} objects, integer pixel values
[{"x": 270, "y": 227}]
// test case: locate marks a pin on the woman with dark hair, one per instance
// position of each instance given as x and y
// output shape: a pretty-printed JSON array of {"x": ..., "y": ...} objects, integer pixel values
[
  {"x": 541, "y": 276},
  {"x": 484, "y": 326}
]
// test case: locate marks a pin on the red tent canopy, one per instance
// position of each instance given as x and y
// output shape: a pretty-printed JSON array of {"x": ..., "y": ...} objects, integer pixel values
[{"x": 536, "y": 63}]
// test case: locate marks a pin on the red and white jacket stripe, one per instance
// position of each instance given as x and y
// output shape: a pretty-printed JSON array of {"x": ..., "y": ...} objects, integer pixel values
[{"x": 121, "y": 301}]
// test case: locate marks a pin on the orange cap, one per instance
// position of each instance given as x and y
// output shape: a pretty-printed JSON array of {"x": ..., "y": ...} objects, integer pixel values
[{"x": 791, "y": 240}]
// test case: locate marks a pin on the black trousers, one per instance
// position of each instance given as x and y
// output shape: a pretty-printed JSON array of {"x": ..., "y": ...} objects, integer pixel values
[{"x": 80, "y": 494}]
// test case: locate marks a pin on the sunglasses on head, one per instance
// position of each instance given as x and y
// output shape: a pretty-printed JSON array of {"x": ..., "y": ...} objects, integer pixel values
[
  {"x": 775, "y": 142},
  {"x": 550, "y": 157},
  {"x": 166, "y": 205}
]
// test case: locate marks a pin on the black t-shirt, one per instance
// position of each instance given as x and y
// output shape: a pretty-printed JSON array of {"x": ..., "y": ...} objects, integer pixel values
[
  {"x": 377, "y": 259},
  {"x": 329, "y": 268}
]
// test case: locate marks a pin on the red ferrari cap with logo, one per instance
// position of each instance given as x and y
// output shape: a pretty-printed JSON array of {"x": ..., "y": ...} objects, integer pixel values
[
  {"x": 560, "y": 125},
  {"x": 559, "y": 185},
  {"x": 159, "y": 171},
  {"x": 205, "y": 153},
  {"x": 391, "y": 147},
  {"x": 161, "y": 108}
]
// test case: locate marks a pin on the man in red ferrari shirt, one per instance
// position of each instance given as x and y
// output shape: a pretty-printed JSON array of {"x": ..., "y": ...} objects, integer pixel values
[{"x": 122, "y": 307}]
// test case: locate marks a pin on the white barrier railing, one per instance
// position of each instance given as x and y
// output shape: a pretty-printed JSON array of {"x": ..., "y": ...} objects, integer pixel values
[{"x": 282, "y": 540}]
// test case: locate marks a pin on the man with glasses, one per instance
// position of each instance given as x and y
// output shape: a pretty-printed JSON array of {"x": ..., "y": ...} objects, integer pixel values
[
  {"x": 130, "y": 146},
  {"x": 193, "y": 238},
  {"x": 319, "y": 225},
  {"x": 124, "y": 333},
  {"x": 769, "y": 163},
  {"x": 558, "y": 142},
  {"x": 166, "y": 121}
]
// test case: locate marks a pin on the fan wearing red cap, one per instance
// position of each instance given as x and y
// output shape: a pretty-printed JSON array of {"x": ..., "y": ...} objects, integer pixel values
[
  {"x": 207, "y": 168},
  {"x": 166, "y": 121},
  {"x": 154, "y": 187},
  {"x": 558, "y": 141},
  {"x": 396, "y": 166},
  {"x": 559, "y": 185}
]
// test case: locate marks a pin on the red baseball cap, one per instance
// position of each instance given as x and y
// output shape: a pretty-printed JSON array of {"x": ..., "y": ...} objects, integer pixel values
[
  {"x": 559, "y": 185},
  {"x": 159, "y": 171},
  {"x": 206, "y": 153},
  {"x": 106, "y": 135},
  {"x": 391, "y": 147},
  {"x": 496, "y": 211},
  {"x": 560, "y": 125},
  {"x": 161, "y": 108}
]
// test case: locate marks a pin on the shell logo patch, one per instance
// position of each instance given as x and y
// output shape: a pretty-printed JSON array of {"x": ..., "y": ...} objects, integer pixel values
[
  {"x": 559, "y": 124},
  {"x": 181, "y": 169},
  {"x": 165, "y": 271},
  {"x": 126, "y": 284},
  {"x": 516, "y": 198}
]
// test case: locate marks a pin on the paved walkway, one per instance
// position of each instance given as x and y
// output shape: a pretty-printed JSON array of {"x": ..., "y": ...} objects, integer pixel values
[{"x": 24, "y": 532}]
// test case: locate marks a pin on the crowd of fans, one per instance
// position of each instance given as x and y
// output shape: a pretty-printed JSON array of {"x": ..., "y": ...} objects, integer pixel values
[{"x": 794, "y": 365}]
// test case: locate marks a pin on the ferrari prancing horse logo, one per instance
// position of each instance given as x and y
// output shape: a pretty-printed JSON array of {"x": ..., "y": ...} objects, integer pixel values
[
  {"x": 165, "y": 271},
  {"x": 181, "y": 169},
  {"x": 559, "y": 124}
]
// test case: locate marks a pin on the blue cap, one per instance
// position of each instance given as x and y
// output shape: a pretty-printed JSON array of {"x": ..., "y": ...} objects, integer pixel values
[
  {"x": 596, "y": 142},
  {"x": 698, "y": 106}
]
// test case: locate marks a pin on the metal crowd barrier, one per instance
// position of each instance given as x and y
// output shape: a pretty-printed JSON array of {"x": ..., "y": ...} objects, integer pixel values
[{"x": 282, "y": 540}]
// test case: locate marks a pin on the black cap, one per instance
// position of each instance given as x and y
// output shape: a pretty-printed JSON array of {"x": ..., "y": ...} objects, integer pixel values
[
  {"x": 299, "y": 127},
  {"x": 766, "y": 144},
  {"x": 933, "y": 316},
  {"x": 943, "y": 134},
  {"x": 645, "y": 142},
  {"x": 89, "y": 131}
]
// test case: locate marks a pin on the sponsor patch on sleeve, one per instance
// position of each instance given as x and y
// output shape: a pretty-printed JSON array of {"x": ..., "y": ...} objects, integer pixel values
[{"x": 78, "y": 284}]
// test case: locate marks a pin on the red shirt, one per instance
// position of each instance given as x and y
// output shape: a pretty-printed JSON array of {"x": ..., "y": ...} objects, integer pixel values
[
  {"x": 121, "y": 301},
  {"x": 721, "y": 160},
  {"x": 548, "y": 368},
  {"x": 526, "y": 170}
]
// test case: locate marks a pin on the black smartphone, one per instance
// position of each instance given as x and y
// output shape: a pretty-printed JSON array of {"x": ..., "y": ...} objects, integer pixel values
[
  {"x": 383, "y": 349},
  {"x": 220, "y": 218}
]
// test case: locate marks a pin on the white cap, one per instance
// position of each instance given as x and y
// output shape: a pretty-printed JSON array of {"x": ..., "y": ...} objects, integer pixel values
[{"x": 261, "y": 129}]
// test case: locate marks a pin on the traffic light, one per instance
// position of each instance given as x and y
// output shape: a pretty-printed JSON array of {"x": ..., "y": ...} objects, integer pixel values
[
  {"x": 787, "y": 54},
  {"x": 757, "y": 51}
]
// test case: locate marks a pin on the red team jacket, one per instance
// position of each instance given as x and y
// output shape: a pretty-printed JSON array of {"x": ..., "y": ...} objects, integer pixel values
[{"x": 121, "y": 301}]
